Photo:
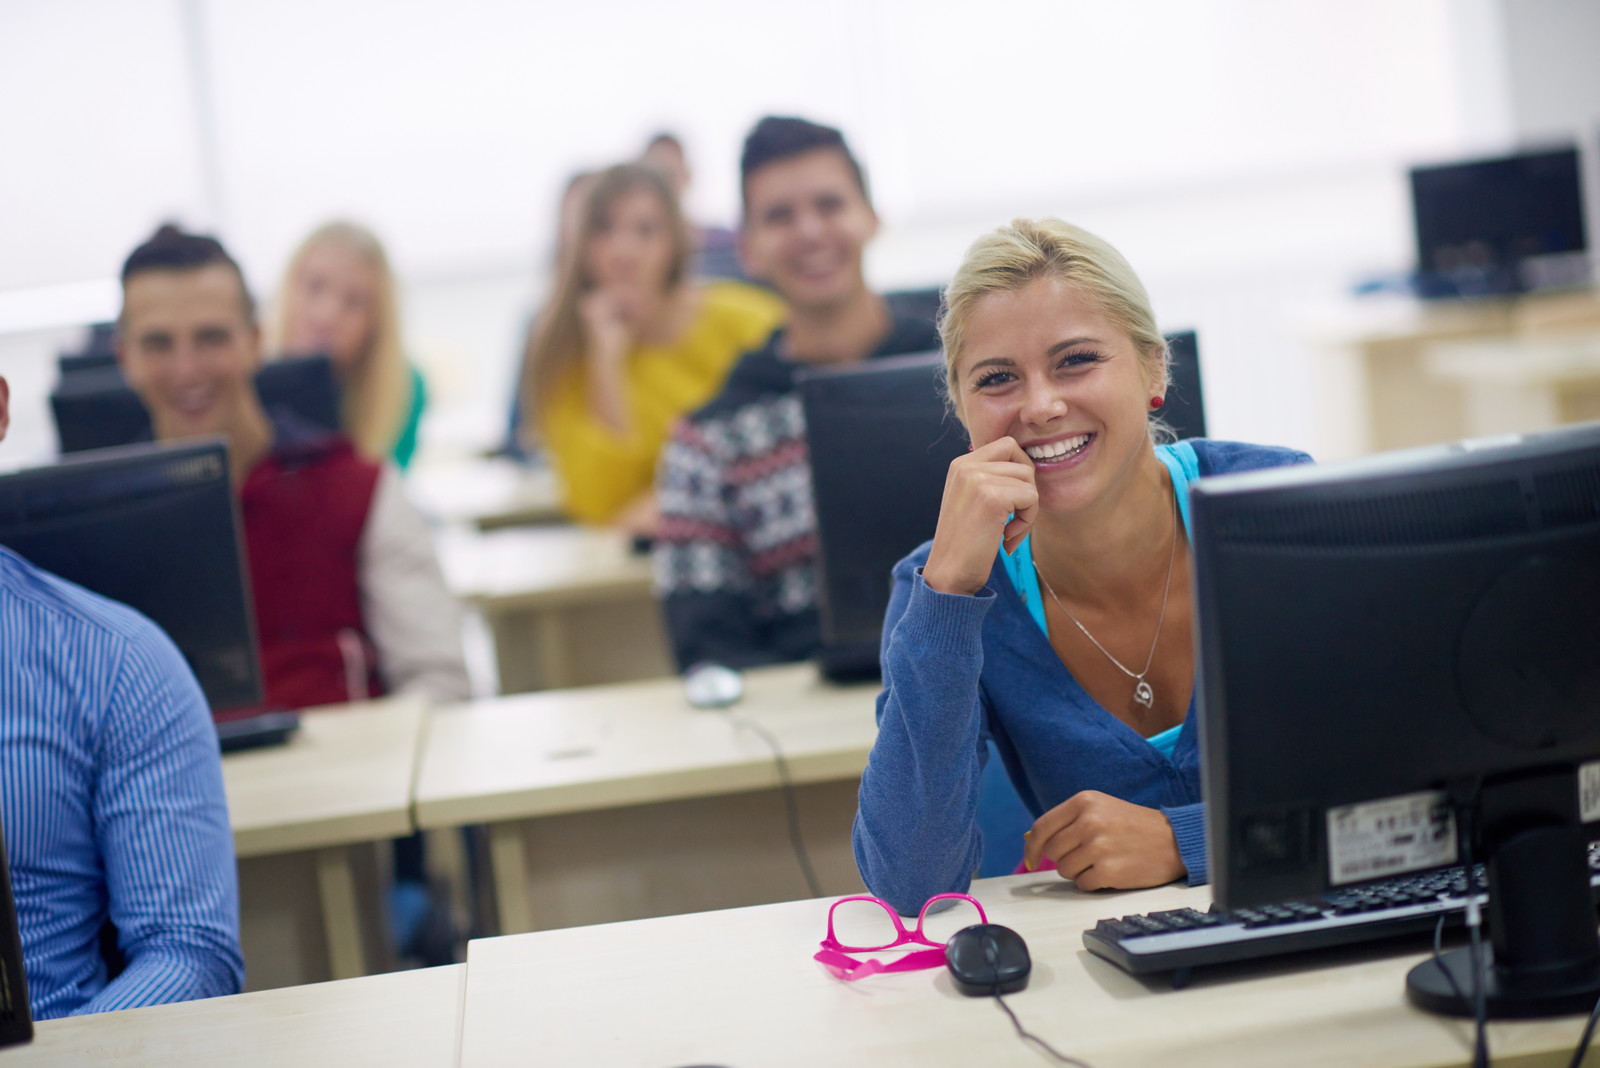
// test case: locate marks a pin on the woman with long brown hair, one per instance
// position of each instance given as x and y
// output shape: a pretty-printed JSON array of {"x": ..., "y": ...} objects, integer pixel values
[{"x": 628, "y": 344}]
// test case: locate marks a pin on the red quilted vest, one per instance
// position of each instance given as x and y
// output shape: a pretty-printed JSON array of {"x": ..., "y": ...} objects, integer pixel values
[{"x": 304, "y": 508}]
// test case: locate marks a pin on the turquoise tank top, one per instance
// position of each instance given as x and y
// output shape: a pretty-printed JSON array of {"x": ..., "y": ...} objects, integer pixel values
[{"x": 1184, "y": 467}]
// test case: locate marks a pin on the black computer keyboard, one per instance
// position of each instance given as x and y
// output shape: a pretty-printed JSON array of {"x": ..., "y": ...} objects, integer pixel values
[{"x": 1178, "y": 940}]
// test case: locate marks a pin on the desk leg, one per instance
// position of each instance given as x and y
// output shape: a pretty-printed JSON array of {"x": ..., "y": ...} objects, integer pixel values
[
  {"x": 508, "y": 859},
  {"x": 341, "y": 918},
  {"x": 555, "y": 663}
]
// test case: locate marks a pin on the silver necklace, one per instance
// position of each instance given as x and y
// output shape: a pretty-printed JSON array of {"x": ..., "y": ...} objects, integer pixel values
[{"x": 1142, "y": 691}]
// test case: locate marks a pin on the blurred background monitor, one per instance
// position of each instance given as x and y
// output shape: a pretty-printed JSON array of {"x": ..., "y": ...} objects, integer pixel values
[
  {"x": 1185, "y": 409},
  {"x": 915, "y": 303},
  {"x": 1501, "y": 225},
  {"x": 95, "y": 409},
  {"x": 881, "y": 440},
  {"x": 1393, "y": 649},
  {"x": 74, "y": 363},
  {"x": 157, "y": 528},
  {"x": 16, "y": 1022}
]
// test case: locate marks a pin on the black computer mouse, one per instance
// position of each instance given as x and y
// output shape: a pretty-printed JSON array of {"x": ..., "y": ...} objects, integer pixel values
[{"x": 987, "y": 958}]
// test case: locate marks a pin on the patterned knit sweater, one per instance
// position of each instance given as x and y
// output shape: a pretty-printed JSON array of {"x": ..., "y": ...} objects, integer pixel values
[{"x": 735, "y": 554}]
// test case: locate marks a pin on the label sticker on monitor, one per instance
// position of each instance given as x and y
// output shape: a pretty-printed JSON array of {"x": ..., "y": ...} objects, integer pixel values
[
  {"x": 1589, "y": 792},
  {"x": 1389, "y": 837}
]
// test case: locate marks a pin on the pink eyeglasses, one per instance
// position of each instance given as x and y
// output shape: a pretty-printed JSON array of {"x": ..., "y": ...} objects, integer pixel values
[{"x": 869, "y": 924}]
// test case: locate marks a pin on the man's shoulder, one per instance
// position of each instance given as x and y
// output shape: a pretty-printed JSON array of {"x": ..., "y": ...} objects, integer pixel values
[
  {"x": 300, "y": 448},
  {"x": 908, "y": 334},
  {"x": 40, "y": 595},
  {"x": 760, "y": 374},
  {"x": 1222, "y": 457}
]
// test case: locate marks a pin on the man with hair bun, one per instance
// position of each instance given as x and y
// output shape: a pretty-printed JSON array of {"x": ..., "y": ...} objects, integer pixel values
[
  {"x": 349, "y": 599},
  {"x": 736, "y": 549}
]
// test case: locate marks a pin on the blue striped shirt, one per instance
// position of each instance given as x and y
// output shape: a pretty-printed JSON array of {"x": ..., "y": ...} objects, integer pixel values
[{"x": 112, "y": 801}]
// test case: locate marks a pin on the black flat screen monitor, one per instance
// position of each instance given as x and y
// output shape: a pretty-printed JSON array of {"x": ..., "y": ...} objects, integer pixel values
[
  {"x": 1502, "y": 225},
  {"x": 95, "y": 409},
  {"x": 71, "y": 363},
  {"x": 1399, "y": 663},
  {"x": 1185, "y": 407},
  {"x": 155, "y": 527},
  {"x": 16, "y": 1021},
  {"x": 881, "y": 441}
]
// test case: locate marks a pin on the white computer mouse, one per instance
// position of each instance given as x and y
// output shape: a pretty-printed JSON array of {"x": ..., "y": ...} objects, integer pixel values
[{"x": 709, "y": 685}]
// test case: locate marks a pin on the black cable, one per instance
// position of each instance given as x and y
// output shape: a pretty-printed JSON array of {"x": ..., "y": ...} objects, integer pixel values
[
  {"x": 1438, "y": 958},
  {"x": 1583, "y": 1042},
  {"x": 791, "y": 804},
  {"x": 1480, "y": 1012},
  {"x": 1028, "y": 1036}
]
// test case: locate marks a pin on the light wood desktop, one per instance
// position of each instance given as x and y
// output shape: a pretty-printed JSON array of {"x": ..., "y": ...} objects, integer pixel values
[
  {"x": 614, "y": 802},
  {"x": 486, "y": 494},
  {"x": 1408, "y": 394},
  {"x": 308, "y": 818},
  {"x": 401, "y": 1020},
  {"x": 1521, "y": 385},
  {"x": 740, "y": 988},
  {"x": 566, "y": 605}
]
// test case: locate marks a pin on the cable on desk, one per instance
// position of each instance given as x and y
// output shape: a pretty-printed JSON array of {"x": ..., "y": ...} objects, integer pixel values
[
  {"x": 1583, "y": 1040},
  {"x": 791, "y": 803},
  {"x": 1029, "y": 1036},
  {"x": 1465, "y": 805}
]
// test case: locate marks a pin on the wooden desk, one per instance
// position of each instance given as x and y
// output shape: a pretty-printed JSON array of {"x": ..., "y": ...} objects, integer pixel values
[
  {"x": 306, "y": 819},
  {"x": 399, "y": 1020},
  {"x": 646, "y": 806},
  {"x": 740, "y": 988},
  {"x": 1519, "y": 385},
  {"x": 567, "y": 606},
  {"x": 486, "y": 494},
  {"x": 1403, "y": 397}
]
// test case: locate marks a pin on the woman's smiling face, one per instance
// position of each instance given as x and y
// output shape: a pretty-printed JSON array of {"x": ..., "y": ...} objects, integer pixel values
[{"x": 1048, "y": 368}]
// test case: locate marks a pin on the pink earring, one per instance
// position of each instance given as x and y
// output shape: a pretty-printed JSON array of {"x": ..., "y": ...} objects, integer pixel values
[{"x": 1156, "y": 402}]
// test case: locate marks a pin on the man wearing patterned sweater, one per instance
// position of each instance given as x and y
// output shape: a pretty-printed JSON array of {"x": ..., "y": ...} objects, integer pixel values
[{"x": 735, "y": 556}]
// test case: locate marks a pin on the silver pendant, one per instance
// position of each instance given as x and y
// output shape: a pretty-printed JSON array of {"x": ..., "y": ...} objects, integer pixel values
[{"x": 1144, "y": 694}]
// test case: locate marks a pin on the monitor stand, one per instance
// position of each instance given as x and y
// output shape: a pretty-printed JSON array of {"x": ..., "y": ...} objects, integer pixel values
[{"x": 1544, "y": 959}]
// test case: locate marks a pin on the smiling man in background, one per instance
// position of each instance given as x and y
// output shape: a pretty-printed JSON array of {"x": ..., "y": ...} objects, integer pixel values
[
  {"x": 349, "y": 599},
  {"x": 735, "y": 556}
]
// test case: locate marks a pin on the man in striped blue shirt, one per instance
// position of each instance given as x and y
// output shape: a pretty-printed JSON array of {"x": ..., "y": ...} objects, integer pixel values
[{"x": 112, "y": 802}]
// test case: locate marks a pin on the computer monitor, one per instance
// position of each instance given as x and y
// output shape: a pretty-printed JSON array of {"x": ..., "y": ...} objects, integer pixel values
[
  {"x": 1502, "y": 225},
  {"x": 1185, "y": 407},
  {"x": 915, "y": 303},
  {"x": 157, "y": 528},
  {"x": 16, "y": 1021},
  {"x": 1397, "y": 650},
  {"x": 881, "y": 441},
  {"x": 71, "y": 363},
  {"x": 95, "y": 409}
]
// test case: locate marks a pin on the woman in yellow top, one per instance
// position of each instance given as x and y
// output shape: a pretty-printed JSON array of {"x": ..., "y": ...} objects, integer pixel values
[{"x": 627, "y": 345}]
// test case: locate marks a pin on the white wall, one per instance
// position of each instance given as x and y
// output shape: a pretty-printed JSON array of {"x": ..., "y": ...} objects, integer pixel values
[{"x": 1248, "y": 155}]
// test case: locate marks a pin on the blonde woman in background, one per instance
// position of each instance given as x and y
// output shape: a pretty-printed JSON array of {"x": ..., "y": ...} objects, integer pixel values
[
  {"x": 627, "y": 345},
  {"x": 339, "y": 298}
]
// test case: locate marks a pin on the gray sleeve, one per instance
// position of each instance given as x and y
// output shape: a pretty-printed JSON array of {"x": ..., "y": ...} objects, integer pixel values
[{"x": 412, "y": 618}]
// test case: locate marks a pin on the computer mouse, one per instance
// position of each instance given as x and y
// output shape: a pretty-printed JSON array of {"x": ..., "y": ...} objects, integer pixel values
[
  {"x": 987, "y": 958},
  {"x": 712, "y": 685}
]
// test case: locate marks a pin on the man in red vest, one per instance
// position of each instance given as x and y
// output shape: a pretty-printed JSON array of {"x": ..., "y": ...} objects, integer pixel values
[{"x": 349, "y": 599}]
